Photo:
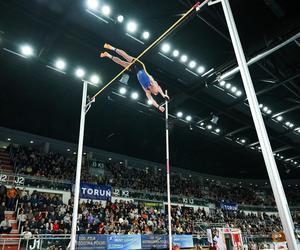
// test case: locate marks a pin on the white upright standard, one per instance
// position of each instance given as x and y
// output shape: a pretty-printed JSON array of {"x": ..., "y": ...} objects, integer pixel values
[
  {"x": 78, "y": 169},
  {"x": 168, "y": 173},
  {"x": 276, "y": 184}
]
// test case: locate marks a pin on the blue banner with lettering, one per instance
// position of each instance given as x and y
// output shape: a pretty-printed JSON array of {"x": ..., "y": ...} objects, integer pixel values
[
  {"x": 91, "y": 242},
  {"x": 155, "y": 240},
  {"x": 125, "y": 242},
  {"x": 183, "y": 240},
  {"x": 131, "y": 242},
  {"x": 228, "y": 206},
  {"x": 95, "y": 192}
]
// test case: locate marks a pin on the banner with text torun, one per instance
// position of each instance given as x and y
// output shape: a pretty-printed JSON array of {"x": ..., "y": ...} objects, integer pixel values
[{"x": 95, "y": 192}]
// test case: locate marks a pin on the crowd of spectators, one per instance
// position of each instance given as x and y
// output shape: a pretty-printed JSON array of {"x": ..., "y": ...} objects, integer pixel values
[{"x": 31, "y": 161}]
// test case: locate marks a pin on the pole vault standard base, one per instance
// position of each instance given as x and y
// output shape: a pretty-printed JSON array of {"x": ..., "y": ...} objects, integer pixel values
[{"x": 276, "y": 184}]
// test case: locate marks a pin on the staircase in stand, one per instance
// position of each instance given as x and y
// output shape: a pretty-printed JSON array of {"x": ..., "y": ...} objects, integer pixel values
[
  {"x": 11, "y": 241},
  {"x": 5, "y": 165}
]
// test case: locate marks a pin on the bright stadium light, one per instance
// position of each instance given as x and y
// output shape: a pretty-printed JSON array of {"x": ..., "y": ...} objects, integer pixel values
[
  {"x": 149, "y": 102},
  {"x": 95, "y": 79},
  {"x": 183, "y": 58},
  {"x": 79, "y": 72},
  {"x": 9, "y": 139},
  {"x": 218, "y": 130},
  {"x": 106, "y": 10},
  {"x": 165, "y": 47},
  {"x": 260, "y": 105},
  {"x": 269, "y": 111},
  {"x": 68, "y": 150},
  {"x": 233, "y": 89},
  {"x": 120, "y": 18},
  {"x": 291, "y": 125},
  {"x": 188, "y": 118},
  {"x": 279, "y": 118},
  {"x": 134, "y": 95},
  {"x": 122, "y": 91},
  {"x": 179, "y": 114},
  {"x": 243, "y": 141},
  {"x": 175, "y": 53},
  {"x": 228, "y": 85},
  {"x": 92, "y": 4},
  {"x": 238, "y": 93},
  {"x": 26, "y": 50},
  {"x": 131, "y": 26},
  {"x": 146, "y": 35},
  {"x": 31, "y": 142},
  {"x": 222, "y": 83},
  {"x": 192, "y": 64},
  {"x": 60, "y": 64},
  {"x": 209, "y": 127},
  {"x": 265, "y": 109},
  {"x": 200, "y": 69}
]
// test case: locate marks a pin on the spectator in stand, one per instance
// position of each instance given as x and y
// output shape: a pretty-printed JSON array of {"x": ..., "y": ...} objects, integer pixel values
[
  {"x": 2, "y": 211},
  {"x": 11, "y": 197},
  {"x": 3, "y": 192},
  {"x": 5, "y": 227}
]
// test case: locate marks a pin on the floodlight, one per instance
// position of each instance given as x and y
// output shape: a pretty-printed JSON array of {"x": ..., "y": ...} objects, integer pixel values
[
  {"x": 265, "y": 109},
  {"x": 279, "y": 118},
  {"x": 188, "y": 118},
  {"x": 60, "y": 64},
  {"x": 192, "y": 64},
  {"x": 218, "y": 130},
  {"x": 179, "y": 114},
  {"x": 106, "y": 10},
  {"x": 260, "y": 106},
  {"x": 243, "y": 141},
  {"x": 131, "y": 26},
  {"x": 9, "y": 139},
  {"x": 269, "y": 111},
  {"x": 287, "y": 123},
  {"x": 175, "y": 53},
  {"x": 120, "y": 18},
  {"x": 233, "y": 89},
  {"x": 291, "y": 125},
  {"x": 92, "y": 4},
  {"x": 183, "y": 58},
  {"x": 209, "y": 127},
  {"x": 68, "y": 150},
  {"x": 222, "y": 83},
  {"x": 95, "y": 79},
  {"x": 149, "y": 102},
  {"x": 31, "y": 142},
  {"x": 26, "y": 50},
  {"x": 165, "y": 47},
  {"x": 146, "y": 35},
  {"x": 238, "y": 93},
  {"x": 134, "y": 95},
  {"x": 228, "y": 85},
  {"x": 122, "y": 90},
  {"x": 79, "y": 72},
  {"x": 200, "y": 69}
]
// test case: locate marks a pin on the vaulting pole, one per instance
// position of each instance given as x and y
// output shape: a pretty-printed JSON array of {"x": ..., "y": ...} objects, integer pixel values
[
  {"x": 168, "y": 172},
  {"x": 78, "y": 169},
  {"x": 272, "y": 170}
]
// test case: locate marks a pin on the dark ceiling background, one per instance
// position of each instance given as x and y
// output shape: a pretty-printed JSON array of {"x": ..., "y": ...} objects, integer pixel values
[{"x": 38, "y": 100}]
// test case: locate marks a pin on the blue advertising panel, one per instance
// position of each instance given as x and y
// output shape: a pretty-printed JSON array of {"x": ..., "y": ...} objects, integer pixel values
[
  {"x": 125, "y": 242},
  {"x": 155, "y": 240},
  {"x": 183, "y": 240},
  {"x": 95, "y": 192},
  {"x": 91, "y": 242},
  {"x": 228, "y": 206}
]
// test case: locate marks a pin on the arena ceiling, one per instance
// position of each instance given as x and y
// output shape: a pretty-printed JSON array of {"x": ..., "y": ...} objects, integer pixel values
[{"x": 37, "y": 99}]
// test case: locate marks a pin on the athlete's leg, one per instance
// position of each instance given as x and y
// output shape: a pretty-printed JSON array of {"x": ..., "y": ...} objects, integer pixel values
[
  {"x": 120, "y": 52},
  {"x": 115, "y": 59}
]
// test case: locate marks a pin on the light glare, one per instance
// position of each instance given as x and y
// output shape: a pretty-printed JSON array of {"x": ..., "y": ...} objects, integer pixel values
[
  {"x": 279, "y": 118},
  {"x": 238, "y": 93},
  {"x": 79, "y": 73},
  {"x": 92, "y": 4},
  {"x": 165, "y": 47},
  {"x": 188, "y": 118},
  {"x": 146, "y": 35},
  {"x": 106, "y": 10},
  {"x": 134, "y": 95},
  {"x": 60, "y": 64},
  {"x": 122, "y": 90},
  {"x": 179, "y": 114},
  {"x": 131, "y": 26},
  {"x": 120, "y": 18},
  {"x": 183, "y": 58},
  {"x": 175, "y": 53},
  {"x": 192, "y": 64},
  {"x": 26, "y": 50},
  {"x": 95, "y": 79},
  {"x": 228, "y": 85},
  {"x": 200, "y": 69}
]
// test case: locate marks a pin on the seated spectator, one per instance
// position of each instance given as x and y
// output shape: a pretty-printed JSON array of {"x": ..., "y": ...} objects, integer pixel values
[
  {"x": 11, "y": 197},
  {"x": 5, "y": 227}
]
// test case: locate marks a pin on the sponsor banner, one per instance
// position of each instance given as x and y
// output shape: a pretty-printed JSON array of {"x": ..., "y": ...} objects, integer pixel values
[
  {"x": 183, "y": 240},
  {"x": 125, "y": 242},
  {"x": 95, "y": 192},
  {"x": 228, "y": 206},
  {"x": 155, "y": 241},
  {"x": 91, "y": 242}
]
